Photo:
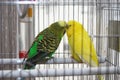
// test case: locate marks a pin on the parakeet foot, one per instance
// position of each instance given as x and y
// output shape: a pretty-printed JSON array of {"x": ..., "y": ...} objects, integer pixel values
[
  {"x": 51, "y": 58},
  {"x": 79, "y": 61}
]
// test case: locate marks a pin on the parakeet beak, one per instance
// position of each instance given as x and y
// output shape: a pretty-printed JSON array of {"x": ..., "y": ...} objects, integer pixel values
[{"x": 67, "y": 26}]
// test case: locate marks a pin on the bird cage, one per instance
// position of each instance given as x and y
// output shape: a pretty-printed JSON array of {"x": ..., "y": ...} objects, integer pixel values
[{"x": 22, "y": 20}]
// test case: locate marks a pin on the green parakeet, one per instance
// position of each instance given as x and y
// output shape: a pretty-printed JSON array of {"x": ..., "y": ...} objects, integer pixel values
[{"x": 45, "y": 44}]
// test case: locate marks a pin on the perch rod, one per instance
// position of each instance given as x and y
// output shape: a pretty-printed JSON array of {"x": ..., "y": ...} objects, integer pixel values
[
  {"x": 59, "y": 72},
  {"x": 52, "y": 61}
]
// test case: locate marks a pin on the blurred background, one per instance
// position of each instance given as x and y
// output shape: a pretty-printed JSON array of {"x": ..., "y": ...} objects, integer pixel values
[{"x": 21, "y": 21}]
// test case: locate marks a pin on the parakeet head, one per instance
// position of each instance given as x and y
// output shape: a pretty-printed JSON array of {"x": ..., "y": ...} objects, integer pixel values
[
  {"x": 59, "y": 27},
  {"x": 62, "y": 24},
  {"x": 72, "y": 26}
]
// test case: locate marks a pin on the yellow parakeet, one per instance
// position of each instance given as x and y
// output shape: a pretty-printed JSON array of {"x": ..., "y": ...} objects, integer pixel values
[{"x": 81, "y": 45}]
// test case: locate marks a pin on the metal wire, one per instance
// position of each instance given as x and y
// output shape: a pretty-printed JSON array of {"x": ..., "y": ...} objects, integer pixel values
[{"x": 23, "y": 13}]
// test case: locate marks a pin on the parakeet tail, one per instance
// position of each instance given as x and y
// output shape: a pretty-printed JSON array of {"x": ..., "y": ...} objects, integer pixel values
[
  {"x": 100, "y": 77},
  {"x": 29, "y": 66}
]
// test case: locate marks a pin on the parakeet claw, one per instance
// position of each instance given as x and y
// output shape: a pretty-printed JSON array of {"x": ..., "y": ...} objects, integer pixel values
[
  {"x": 49, "y": 58},
  {"x": 80, "y": 61}
]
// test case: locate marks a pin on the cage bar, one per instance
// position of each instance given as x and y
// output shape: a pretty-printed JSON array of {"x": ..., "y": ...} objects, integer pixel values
[{"x": 42, "y": 3}]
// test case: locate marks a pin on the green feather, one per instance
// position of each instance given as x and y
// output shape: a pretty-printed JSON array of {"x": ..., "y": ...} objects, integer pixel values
[{"x": 33, "y": 49}]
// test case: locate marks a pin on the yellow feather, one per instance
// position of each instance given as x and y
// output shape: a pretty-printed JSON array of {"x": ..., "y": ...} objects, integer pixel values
[{"x": 81, "y": 45}]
